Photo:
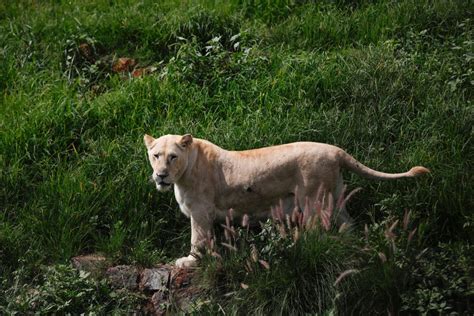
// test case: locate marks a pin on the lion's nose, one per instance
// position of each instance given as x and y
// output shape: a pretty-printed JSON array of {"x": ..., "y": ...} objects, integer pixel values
[{"x": 162, "y": 175}]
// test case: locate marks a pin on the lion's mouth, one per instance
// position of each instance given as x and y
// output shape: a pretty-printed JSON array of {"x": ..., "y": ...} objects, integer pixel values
[{"x": 162, "y": 183}]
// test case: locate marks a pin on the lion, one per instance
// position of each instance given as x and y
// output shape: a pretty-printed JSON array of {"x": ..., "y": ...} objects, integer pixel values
[{"x": 209, "y": 180}]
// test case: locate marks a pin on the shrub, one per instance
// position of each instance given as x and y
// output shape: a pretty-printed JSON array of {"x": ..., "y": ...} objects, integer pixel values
[
  {"x": 387, "y": 250},
  {"x": 212, "y": 64},
  {"x": 300, "y": 265},
  {"x": 61, "y": 289},
  {"x": 441, "y": 281}
]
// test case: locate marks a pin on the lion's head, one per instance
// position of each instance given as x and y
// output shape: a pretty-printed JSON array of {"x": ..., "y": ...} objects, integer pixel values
[{"x": 168, "y": 157}]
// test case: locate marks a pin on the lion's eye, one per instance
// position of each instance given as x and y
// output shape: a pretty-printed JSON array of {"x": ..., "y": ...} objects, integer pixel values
[
  {"x": 157, "y": 156},
  {"x": 173, "y": 157}
]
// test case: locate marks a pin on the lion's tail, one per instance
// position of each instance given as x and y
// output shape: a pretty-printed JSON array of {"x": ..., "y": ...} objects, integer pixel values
[{"x": 350, "y": 163}]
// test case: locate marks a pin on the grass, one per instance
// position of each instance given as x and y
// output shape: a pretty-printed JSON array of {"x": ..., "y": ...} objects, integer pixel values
[
  {"x": 260, "y": 264},
  {"x": 390, "y": 82}
]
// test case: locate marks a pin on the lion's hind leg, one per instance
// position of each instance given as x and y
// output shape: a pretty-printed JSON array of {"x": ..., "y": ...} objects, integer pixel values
[{"x": 320, "y": 199}]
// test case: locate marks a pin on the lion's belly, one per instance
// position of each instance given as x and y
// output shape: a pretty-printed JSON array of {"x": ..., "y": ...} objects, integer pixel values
[{"x": 254, "y": 198}]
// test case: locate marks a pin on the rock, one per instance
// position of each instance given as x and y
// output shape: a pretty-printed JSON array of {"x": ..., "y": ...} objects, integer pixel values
[
  {"x": 124, "y": 64},
  {"x": 184, "y": 292},
  {"x": 169, "y": 289},
  {"x": 140, "y": 72},
  {"x": 87, "y": 52},
  {"x": 123, "y": 277},
  {"x": 157, "y": 304},
  {"x": 181, "y": 277},
  {"x": 155, "y": 279},
  {"x": 186, "y": 299},
  {"x": 95, "y": 264}
]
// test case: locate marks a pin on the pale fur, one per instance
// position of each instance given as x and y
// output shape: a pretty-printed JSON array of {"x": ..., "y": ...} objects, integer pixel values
[{"x": 208, "y": 180}]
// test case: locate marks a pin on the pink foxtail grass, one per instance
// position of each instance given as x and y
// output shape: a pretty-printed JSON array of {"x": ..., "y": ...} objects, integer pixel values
[
  {"x": 306, "y": 235},
  {"x": 318, "y": 214},
  {"x": 344, "y": 275}
]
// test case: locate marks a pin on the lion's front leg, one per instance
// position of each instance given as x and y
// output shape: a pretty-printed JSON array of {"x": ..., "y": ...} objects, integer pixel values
[{"x": 201, "y": 229}]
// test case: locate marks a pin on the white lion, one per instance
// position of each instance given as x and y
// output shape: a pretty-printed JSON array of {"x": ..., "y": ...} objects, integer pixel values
[{"x": 208, "y": 180}]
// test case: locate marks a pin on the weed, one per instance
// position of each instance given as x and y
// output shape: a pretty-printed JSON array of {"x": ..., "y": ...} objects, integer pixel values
[
  {"x": 211, "y": 65},
  {"x": 440, "y": 281},
  {"x": 62, "y": 289}
]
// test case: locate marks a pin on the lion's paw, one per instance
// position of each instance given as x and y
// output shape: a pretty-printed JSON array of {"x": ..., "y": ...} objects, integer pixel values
[{"x": 186, "y": 262}]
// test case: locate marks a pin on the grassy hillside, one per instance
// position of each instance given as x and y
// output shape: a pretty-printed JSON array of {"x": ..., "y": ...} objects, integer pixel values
[{"x": 388, "y": 81}]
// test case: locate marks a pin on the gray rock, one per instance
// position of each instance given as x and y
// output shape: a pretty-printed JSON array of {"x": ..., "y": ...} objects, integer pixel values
[
  {"x": 123, "y": 277},
  {"x": 155, "y": 279},
  {"x": 95, "y": 264},
  {"x": 158, "y": 304},
  {"x": 184, "y": 292},
  {"x": 169, "y": 289},
  {"x": 181, "y": 277},
  {"x": 186, "y": 299}
]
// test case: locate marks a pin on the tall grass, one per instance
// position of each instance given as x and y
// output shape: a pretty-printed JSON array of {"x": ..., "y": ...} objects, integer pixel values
[
  {"x": 303, "y": 263},
  {"x": 390, "y": 82}
]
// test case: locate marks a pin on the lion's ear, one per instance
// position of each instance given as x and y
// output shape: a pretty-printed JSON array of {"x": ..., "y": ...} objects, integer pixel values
[
  {"x": 148, "y": 140},
  {"x": 186, "y": 140}
]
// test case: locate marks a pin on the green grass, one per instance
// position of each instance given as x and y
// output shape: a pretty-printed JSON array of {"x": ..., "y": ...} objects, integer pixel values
[
  {"x": 304, "y": 284},
  {"x": 389, "y": 81}
]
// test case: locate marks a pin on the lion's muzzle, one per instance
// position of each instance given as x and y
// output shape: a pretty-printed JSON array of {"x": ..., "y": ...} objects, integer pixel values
[{"x": 161, "y": 183}]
